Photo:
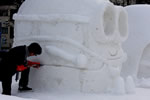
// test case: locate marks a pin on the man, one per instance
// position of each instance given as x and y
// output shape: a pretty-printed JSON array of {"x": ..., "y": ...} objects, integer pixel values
[{"x": 16, "y": 60}]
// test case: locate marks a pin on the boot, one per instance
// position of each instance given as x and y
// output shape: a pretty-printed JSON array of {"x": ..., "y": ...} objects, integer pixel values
[{"x": 24, "y": 88}]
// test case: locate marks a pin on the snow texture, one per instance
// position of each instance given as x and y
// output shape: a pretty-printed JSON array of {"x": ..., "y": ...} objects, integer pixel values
[
  {"x": 82, "y": 50},
  {"x": 81, "y": 41},
  {"x": 137, "y": 45}
]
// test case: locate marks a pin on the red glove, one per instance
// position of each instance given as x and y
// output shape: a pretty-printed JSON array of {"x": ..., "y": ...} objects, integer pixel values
[
  {"x": 34, "y": 64},
  {"x": 30, "y": 63},
  {"x": 21, "y": 68}
]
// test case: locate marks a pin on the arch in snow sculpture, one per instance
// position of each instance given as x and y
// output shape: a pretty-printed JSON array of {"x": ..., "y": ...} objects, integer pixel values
[
  {"x": 80, "y": 48},
  {"x": 144, "y": 65}
]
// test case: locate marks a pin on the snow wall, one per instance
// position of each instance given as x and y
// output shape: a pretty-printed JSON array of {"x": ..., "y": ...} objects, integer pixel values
[
  {"x": 137, "y": 45},
  {"x": 81, "y": 41}
]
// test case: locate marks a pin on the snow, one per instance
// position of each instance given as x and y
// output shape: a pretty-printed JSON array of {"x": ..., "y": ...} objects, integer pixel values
[
  {"x": 78, "y": 44},
  {"x": 138, "y": 42},
  {"x": 88, "y": 50},
  {"x": 141, "y": 94},
  {"x": 3, "y": 97}
]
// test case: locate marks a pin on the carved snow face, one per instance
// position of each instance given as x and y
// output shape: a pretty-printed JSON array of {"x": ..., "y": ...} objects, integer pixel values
[
  {"x": 100, "y": 31},
  {"x": 87, "y": 37}
]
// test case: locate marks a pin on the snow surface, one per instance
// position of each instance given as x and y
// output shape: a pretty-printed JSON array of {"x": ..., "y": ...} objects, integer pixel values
[
  {"x": 137, "y": 64},
  {"x": 138, "y": 42},
  {"x": 64, "y": 80},
  {"x": 141, "y": 94},
  {"x": 82, "y": 44}
]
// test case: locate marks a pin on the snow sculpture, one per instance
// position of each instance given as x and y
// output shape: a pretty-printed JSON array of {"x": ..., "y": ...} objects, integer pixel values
[
  {"x": 81, "y": 41},
  {"x": 137, "y": 45}
]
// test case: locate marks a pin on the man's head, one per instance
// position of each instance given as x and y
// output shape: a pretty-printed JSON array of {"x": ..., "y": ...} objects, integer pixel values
[{"x": 34, "y": 49}]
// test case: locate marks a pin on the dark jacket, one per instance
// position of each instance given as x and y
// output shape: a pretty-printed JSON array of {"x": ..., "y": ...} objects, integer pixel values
[
  {"x": 15, "y": 56},
  {"x": 2, "y": 54}
]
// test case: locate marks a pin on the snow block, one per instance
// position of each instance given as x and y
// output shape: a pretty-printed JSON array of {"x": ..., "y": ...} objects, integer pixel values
[{"x": 81, "y": 41}]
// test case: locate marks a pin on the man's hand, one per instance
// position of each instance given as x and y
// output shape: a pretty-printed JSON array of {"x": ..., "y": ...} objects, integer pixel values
[{"x": 34, "y": 64}]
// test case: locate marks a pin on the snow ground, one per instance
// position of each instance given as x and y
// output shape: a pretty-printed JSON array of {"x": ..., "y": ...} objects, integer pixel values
[{"x": 141, "y": 94}]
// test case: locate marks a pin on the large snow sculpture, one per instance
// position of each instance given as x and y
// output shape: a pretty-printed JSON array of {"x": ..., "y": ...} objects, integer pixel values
[
  {"x": 137, "y": 45},
  {"x": 81, "y": 42}
]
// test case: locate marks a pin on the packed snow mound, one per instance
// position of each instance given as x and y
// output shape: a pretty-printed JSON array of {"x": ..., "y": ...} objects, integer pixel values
[{"x": 81, "y": 41}]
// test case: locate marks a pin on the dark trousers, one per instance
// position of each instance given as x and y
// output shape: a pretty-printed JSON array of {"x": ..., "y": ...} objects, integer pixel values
[
  {"x": 6, "y": 85},
  {"x": 24, "y": 78},
  {"x": 7, "y": 81}
]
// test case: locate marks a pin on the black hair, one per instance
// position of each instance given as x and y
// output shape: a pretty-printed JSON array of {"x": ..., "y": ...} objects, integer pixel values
[{"x": 35, "y": 48}]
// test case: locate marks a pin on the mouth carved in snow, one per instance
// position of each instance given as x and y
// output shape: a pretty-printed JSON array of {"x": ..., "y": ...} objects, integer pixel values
[{"x": 114, "y": 54}]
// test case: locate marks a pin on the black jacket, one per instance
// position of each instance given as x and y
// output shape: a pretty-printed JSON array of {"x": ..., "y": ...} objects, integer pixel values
[{"x": 15, "y": 56}]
